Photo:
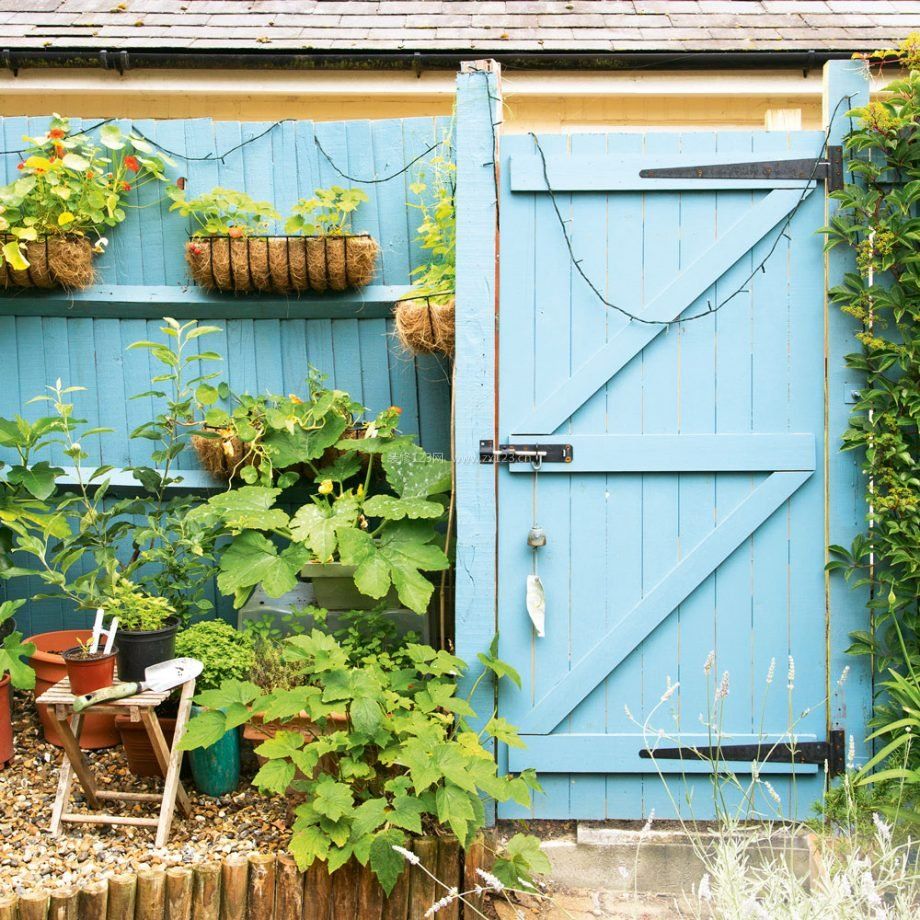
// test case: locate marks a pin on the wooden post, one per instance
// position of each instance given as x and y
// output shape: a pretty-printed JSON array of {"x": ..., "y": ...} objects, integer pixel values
[
  {"x": 178, "y": 893},
  {"x": 845, "y": 508},
  {"x": 422, "y": 888},
  {"x": 151, "y": 894},
  {"x": 289, "y": 890},
  {"x": 64, "y": 904},
  {"x": 474, "y": 858},
  {"x": 33, "y": 905},
  {"x": 396, "y": 906},
  {"x": 370, "y": 895},
  {"x": 449, "y": 873},
  {"x": 122, "y": 889},
  {"x": 234, "y": 880},
  {"x": 262, "y": 886},
  {"x": 345, "y": 890},
  {"x": 9, "y": 904},
  {"x": 475, "y": 367},
  {"x": 94, "y": 901},
  {"x": 206, "y": 891},
  {"x": 317, "y": 893}
]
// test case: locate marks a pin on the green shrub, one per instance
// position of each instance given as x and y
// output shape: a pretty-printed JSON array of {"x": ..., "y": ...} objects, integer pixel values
[{"x": 225, "y": 652}]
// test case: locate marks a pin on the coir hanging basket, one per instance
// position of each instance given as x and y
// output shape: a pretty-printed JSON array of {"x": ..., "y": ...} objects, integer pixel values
[
  {"x": 425, "y": 326},
  {"x": 282, "y": 264},
  {"x": 56, "y": 261}
]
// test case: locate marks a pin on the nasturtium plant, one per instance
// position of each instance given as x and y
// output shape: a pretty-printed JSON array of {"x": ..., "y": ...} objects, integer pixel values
[
  {"x": 72, "y": 185},
  {"x": 391, "y": 752},
  {"x": 327, "y": 213},
  {"x": 223, "y": 212}
]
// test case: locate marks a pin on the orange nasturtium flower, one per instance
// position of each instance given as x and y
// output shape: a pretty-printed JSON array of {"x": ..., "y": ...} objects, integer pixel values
[
  {"x": 132, "y": 164},
  {"x": 57, "y": 133}
]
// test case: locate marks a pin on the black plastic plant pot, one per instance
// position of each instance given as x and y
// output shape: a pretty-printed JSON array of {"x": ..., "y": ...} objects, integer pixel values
[
  {"x": 6, "y": 627},
  {"x": 139, "y": 649}
]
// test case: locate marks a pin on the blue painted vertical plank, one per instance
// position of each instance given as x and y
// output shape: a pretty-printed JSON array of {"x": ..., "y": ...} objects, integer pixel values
[
  {"x": 474, "y": 401},
  {"x": 845, "y": 509},
  {"x": 659, "y": 415},
  {"x": 589, "y": 560},
  {"x": 622, "y": 588}
]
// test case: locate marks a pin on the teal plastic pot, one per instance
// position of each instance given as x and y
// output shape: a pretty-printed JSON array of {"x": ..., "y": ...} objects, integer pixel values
[{"x": 216, "y": 769}]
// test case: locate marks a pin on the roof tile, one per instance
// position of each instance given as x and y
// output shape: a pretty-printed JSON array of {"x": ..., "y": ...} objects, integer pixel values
[{"x": 460, "y": 25}]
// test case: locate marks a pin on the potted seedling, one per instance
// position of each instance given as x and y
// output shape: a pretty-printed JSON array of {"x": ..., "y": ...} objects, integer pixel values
[
  {"x": 89, "y": 667},
  {"x": 70, "y": 191},
  {"x": 13, "y": 672},
  {"x": 232, "y": 250}
]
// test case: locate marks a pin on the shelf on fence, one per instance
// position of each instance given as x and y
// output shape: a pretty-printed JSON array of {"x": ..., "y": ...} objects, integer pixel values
[{"x": 129, "y": 301}]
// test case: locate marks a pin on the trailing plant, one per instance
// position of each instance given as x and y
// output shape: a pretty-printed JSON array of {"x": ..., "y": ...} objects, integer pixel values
[
  {"x": 878, "y": 221},
  {"x": 384, "y": 525},
  {"x": 271, "y": 438},
  {"x": 328, "y": 213},
  {"x": 13, "y": 650},
  {"x": 70, "y": 184},
  {"x": 404, "y": 760},
  {"x": 225, "y": 652},
  {"x": 85, "y": 542},
  {"x": 223, "y": 212},
  {"x": 437, "y": 233}
]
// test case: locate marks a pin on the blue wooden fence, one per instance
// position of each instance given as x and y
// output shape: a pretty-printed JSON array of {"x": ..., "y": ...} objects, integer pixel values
[{"x": 268, "y": 342}]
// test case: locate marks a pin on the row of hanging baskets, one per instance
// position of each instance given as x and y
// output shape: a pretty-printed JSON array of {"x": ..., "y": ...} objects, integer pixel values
[{"x": 53, "y": 262}]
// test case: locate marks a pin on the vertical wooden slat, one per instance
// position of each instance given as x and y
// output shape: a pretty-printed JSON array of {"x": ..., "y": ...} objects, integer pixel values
[
  {"x": 449, "y": 873},
  {"x": 122, "y": 891},
  {"x": 151, "y": 894},
  {"x": 396, "y": 904},
  {"x": 261, "y": 886},
  {"x": 423, "y": 891},
  {"x": 94, "y": 901},
  {"x": 345, "y": 890},
  {"x": 370, "y": 895},
  {"x": 234, "y": 886},
  {"x": 65, "y": 903},
  {"x": 9, "y": 904},
  {"x": 317, "y": 895},
  {"x": 476, "y": 857},
  {"x": 289, "y": 889},
  {"x": 178, "y": 893},
  {"x": 206, "y": 891},
  {"x": 474, "y": 401}
]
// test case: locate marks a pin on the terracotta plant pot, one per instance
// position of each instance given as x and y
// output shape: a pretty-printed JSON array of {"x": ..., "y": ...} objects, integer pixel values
[
  {"x": 138, "y": 749},
  {"x": 99, "y": 731},
  {"x": 6, "y": 724},
  {"x": 89, "y": 673}
]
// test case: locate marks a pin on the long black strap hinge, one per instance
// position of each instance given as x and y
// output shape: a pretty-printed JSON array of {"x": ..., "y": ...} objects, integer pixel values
[
  {"x": 832, "y": 752},
  {"x": 828, "y": 169}
]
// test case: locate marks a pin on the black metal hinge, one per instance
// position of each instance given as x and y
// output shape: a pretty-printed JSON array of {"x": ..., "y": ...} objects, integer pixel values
[
  {"x": 829, "y": 169},
  {"x": 524, "y": 453},
  {"x": 832, "y": 752}
]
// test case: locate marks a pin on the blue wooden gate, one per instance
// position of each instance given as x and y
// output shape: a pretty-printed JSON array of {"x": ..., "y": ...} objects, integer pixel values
[{"x": 691, "y": 517}]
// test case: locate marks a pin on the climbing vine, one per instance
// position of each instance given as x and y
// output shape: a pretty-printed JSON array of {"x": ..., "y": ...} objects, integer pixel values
[{"x": 879, "y": 219}]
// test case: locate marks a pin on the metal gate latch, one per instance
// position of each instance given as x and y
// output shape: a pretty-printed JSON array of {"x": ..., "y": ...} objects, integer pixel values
[{"x": 537, "y": 454}]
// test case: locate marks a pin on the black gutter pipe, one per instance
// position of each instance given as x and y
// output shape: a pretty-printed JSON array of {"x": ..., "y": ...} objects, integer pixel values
[{"x": 122, "y": 60}]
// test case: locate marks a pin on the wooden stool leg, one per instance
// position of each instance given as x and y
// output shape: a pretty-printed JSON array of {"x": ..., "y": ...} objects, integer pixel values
[
  {"x": 162, "y": 752},
  {"x": 72, "y": 761},
  {"x": 175, "y": 762}
]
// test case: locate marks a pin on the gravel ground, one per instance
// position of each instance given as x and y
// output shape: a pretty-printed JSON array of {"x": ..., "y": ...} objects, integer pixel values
[{"x": 30, "y": 858}]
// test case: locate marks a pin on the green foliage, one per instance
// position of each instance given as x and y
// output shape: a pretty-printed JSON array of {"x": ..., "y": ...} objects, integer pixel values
[
  {"x": 223, "y": 212},
  {"x": 225, "y": 652},
  {"x": 381, "y": 521},
  {"x": 878, "y": 221},
  {"x": 13, "y": 650},
  {"x": 83, "y": 542},
  {"x": 398, "y": 753},
  {"x": 70, "y": 184},
  {"x": 327, "y": 213},
  {"x": 519, "y": 860},
  {"x": 136, "y": 611},
  {"x": 437, "y": 233}
]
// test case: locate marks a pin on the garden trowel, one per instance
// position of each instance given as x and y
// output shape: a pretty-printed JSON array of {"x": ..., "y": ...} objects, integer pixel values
[{"x": 158, "y": 677}]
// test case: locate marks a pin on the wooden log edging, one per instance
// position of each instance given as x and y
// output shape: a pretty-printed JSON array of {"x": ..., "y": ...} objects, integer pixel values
[{"x": 262, "y": 886}]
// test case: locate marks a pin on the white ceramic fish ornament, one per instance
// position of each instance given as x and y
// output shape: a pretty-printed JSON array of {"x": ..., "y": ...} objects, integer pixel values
[{"x": 536, "y": 604}]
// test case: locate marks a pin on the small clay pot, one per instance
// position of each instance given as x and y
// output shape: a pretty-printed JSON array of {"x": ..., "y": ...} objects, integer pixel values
[{"x": 89, "y": 672}]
